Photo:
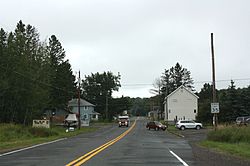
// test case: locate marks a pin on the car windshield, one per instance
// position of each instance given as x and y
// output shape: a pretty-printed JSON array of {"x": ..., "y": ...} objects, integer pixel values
[
  {"x": 123, "y": 119},
  {"x": 157, "y": 123}
]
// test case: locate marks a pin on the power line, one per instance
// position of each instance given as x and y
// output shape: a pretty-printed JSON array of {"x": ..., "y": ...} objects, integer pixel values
[
  {"x": 195, "y": 82},
  {"x": 39, "y": 82},
  {"x": 123, "y": 85}
]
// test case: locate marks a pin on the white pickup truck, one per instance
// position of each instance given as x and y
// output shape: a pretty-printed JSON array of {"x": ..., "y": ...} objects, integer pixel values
[{"x": 123, "y": 121}]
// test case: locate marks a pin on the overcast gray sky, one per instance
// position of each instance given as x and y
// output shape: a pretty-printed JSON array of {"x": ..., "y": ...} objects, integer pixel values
[{"x": 141, "y": 38}]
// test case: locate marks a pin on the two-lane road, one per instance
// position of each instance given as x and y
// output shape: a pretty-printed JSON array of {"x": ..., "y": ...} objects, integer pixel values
[{"x": 110, "y": 146}]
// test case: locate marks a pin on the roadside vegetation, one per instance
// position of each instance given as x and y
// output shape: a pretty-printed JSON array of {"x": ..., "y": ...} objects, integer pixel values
[
  {"x": 17, "y": 136},
  {"x": 233, "y": 140}
]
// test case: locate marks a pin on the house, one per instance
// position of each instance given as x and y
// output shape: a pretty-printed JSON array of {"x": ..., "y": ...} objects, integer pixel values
[
  {"x": 87, "y": 111},
  {"x": 181, "y": 104}
]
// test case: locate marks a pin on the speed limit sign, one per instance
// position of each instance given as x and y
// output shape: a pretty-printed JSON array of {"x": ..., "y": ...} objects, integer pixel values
[{"x": 215, "y": 109}]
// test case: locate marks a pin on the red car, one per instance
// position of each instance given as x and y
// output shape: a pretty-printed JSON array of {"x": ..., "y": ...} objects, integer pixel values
[{"x": 156, "y": 126}]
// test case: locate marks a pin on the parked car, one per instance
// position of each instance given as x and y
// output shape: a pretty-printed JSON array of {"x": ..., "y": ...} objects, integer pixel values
[
  {"x": 156, "y": 126},
  {"x": 123, "y": 121},
  {"x": 243, "y": 120},
  {"x": 188, "y": 124}
]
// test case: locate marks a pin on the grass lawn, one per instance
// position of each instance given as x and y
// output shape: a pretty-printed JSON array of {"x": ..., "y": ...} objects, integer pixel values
[
  {"x": 241, "y": 150},
  {"x": 172, "y": 129},
  {"x": 17, "y": 136}
]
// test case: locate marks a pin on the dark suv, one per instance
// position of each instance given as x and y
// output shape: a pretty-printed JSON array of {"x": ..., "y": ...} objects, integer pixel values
[
  {"x": 243, "y": 120},
  {"x": 156, "y": 126}
]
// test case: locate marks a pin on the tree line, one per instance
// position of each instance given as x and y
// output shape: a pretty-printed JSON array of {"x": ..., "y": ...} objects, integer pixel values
[
  {"x": 233, "y": 101},
  {"x": 34, "y": 75}
]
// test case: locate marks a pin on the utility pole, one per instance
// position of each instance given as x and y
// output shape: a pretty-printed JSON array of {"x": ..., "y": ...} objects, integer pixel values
[
  {"x": 215, "y": 118},
  {"x": 79, "y": 112},
  {"x": 106, "y": 109}
]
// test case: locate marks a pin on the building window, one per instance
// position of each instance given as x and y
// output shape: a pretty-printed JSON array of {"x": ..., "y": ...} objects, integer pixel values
[
  {"x": 195, "y": 111},
  {"x": 85, "y": 107},
  {"x": 169, "y": 111},
  {"x": 94, "y": 116}
]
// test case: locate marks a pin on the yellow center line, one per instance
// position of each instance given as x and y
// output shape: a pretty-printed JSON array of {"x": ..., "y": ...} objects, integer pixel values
[{"x": 94, "y": 152}]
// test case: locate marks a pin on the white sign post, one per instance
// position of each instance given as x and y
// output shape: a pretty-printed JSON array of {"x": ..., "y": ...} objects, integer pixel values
[{"x": 215, "y": 109}]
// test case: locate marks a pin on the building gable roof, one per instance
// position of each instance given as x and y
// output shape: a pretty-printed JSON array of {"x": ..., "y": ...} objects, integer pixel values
[
  {"x": 74, "y": 102},
  {"x": 182, "y": 87}
]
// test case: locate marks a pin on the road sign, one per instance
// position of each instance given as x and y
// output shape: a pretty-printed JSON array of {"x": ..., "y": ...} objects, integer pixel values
[{"x": 215, "y": 109}]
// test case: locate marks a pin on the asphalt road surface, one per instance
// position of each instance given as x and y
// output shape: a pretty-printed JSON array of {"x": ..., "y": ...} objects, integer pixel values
[{"x": 109, "y": 146}]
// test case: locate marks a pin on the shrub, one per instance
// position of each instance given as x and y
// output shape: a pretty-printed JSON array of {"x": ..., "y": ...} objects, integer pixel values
[{"x": 42, "y": 132}]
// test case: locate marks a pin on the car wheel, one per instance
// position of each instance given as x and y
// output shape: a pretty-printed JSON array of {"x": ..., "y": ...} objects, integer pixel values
[
  {"x": 182, "y": 128},
  {"x": 198, "y": 127},
  {"x": 164, "y": 129}
]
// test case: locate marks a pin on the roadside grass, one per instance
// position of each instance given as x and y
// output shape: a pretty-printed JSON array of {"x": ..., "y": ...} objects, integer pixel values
[
  {"x": 18, "y": 136},
  {"x": 239, "y": 149},
  {"x": 172, "y": 129},
  {"x": 233, "y": 140}
]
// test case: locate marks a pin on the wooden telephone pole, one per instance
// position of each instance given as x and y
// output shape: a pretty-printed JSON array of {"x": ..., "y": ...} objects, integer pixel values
[
  {"x": 79, "y": 112},
  {"x": 215, "y": 118}
]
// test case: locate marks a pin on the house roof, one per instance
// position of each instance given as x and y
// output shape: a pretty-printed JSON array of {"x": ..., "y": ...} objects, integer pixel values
[
  {"x": 95, "y": 113},
  {"x": 182, "y": 86},
  {"x": 74, "y": 102}
]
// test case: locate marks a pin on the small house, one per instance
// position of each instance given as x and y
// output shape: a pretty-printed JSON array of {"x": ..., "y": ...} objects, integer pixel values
[{"x": 87, "y": 111}]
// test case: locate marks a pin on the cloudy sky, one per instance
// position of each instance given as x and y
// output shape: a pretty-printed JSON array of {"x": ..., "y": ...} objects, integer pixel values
[{"x": 141, "y": 38}]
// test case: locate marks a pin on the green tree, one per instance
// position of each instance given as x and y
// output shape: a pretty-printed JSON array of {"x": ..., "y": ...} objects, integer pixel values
[
  {"x": 175, "y": 77},
  {"x": 98, "y": 88},
  {"x": 61, "y": 77},
  {"x": 118, "y": 105},
  {"x": 230, "y": 104},
  {"x": 31, "y": 73},
  {"x": 205, "y": 99}
]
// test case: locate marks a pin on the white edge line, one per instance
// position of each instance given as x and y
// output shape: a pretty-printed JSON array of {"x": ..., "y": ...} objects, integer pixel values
[
  {"x": 175, "y": 155},
  {"x": 31, "y": 147}
]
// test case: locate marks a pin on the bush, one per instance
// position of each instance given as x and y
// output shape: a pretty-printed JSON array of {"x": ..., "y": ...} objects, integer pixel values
[{"x": 230, "y": 135}]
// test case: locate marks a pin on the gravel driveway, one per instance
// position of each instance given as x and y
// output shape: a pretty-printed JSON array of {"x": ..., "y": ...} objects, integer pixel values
[{"x": 207, "y": 157}]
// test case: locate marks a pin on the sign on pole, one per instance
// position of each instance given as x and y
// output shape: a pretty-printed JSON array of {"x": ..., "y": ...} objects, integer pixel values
[{"x": 215, "y": 109}]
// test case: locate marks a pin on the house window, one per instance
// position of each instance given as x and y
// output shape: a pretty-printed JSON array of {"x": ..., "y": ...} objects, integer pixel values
[
  {"x": 94, "y": 116},
  {"x": 85, "y": 107},
  {"x": 169, "y": 111},
  {"x": 195, "y": 111}
]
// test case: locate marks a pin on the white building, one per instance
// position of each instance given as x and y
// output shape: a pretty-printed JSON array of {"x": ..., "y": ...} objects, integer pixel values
[{"x": 181, "y": 104}]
